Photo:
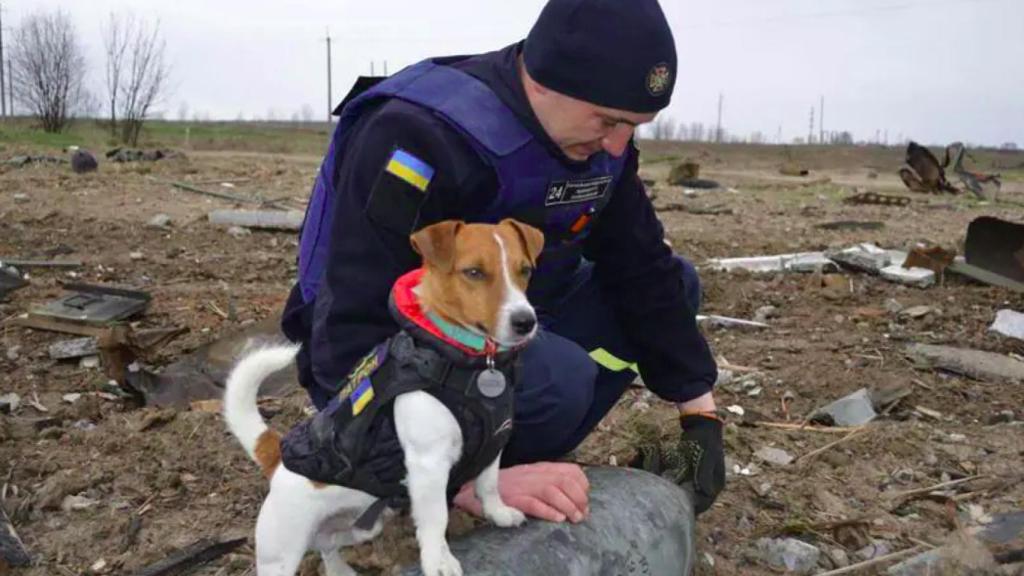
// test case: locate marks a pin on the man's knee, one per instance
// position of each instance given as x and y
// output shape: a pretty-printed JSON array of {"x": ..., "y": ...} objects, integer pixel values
[
  {"x": 691, "y": 283},
  {"x": 554, "y": 397}
]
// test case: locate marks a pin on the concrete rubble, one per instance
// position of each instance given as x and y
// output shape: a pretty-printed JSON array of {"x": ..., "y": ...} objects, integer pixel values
[
  {"x": 1009, "y": 323},
  {"x": 790, "y": 555}
]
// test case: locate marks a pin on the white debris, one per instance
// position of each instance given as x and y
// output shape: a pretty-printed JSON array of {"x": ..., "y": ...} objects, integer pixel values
[
  {"x": 736, "y": 409},
  {"x": 71, "y": 398},
  {"x": 89, "y": 362},
  {"x": 797, "y": 262},
  {"x": 1009, "y": 323},
  {"x": 866, "y": 257},
  {"x": 919, "y": 277},
  {"x": 159, "y": 221},
  {"x": 727, "y": 322},
  {"x": 9, "y": 402}
]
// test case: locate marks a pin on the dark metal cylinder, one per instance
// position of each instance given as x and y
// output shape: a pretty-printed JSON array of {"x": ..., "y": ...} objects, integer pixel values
[{"x": 639, "y": 524}]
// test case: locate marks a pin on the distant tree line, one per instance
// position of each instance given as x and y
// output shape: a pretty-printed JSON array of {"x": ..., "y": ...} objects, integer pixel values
[{"x": 49, "y": 69}]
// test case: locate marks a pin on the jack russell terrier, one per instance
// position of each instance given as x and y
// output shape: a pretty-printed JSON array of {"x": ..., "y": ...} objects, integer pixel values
[{"x": 423, "y": 413}]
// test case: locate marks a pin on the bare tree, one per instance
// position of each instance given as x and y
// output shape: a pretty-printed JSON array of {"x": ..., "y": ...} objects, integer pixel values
[
  {"x": 663, "y": 128},
  {"x": 307, "y": 113},
  {"x": 115, "y": 44},
  {"x": 183, "y": 111},
  {"x": 145, "y": 76},
  {"x": 49, "y": 69}
]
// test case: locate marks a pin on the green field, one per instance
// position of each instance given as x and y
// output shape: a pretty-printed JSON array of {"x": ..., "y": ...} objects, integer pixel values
[{"x": 276, "y": 137}]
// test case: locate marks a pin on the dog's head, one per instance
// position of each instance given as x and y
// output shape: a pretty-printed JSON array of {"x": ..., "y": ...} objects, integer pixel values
[{"x": 476, "y": 276}]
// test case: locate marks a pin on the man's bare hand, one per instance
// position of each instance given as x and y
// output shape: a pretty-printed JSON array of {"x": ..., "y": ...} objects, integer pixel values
[{"x": 552, "y": 491}]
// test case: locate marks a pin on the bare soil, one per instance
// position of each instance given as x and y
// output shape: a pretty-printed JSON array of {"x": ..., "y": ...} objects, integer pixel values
[{"x": 180, "y": 476}]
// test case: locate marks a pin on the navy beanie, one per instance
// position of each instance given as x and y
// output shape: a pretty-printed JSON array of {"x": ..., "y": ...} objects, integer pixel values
[{"x": 613, "y": 53}]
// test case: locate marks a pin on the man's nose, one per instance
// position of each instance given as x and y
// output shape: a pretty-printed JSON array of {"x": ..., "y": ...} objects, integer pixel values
[{"x": 615, "y": 142}]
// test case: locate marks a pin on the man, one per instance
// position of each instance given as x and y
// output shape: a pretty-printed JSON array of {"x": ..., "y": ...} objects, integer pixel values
[{"x": 540, "y": 131}]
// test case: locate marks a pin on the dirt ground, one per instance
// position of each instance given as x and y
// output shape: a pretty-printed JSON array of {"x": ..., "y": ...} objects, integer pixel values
[{"x": 108, "y": 486}]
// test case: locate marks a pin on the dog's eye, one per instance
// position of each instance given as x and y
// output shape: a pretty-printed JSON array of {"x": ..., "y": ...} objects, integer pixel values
[
  {"x": 473, "y": 273},
  {"x": 526, "y": 271}
]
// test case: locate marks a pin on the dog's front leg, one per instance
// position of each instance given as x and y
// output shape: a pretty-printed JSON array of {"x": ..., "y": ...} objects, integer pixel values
[
  {"x": 494, "y": 508},
  {"x": 432, "y": 442}
]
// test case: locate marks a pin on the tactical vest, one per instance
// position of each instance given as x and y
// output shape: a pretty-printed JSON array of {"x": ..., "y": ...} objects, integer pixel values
[
  {"x": 535, "y": 187},
  {"x": 353, "y": 442}
]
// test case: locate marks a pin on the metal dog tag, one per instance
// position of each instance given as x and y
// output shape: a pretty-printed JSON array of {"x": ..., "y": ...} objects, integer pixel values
[{"x": 490, "y": 383}]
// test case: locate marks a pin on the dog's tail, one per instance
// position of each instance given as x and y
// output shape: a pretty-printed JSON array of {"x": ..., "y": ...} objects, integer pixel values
[{"x": 243, "y": 417}]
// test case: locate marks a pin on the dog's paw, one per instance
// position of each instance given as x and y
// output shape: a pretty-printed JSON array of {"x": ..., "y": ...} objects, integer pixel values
[
  {"x": 505, "y": 516},
  {"x": 440, "y": 564}
]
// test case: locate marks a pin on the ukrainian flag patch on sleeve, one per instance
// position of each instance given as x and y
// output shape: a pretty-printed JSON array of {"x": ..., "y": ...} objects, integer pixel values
[
  {"x": 361, "y": 396},
  {"x": 410, "y": 169}
]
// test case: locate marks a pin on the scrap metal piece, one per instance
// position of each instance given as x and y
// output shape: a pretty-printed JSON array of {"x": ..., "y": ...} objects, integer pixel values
[
  {"x": 10, "y": 280},
  {"x": 95, "y": 304},
  {"x": 933, "y": 258},
  {"x": 877, "y": 199},
  {"x": 984, "y": 186},
  {"x": 923, "y": 173},
  {"x": 12, "y": 550},
  {"x": 997, "y": 246}
]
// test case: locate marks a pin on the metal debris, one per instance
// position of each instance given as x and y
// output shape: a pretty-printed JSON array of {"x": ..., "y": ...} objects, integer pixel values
[
  {"x": 917, "y": 277},
  {"x": 994, "y": 246},
  {"x": 726, "y": 322},
  {"x": 933, "y": 258},
  {"x": 852, "y": 410},
  {"x": 851, "y": 225},
  {"x": 95, "y": 304},
  {"x": 877, "y": 199},
  {"x": 10, "y": 280},
  {"x": 638, "y": 524}
]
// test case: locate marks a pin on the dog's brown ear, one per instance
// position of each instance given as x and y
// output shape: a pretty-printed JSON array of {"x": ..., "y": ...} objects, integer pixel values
[
  {"x": 436, "y": 244},
  {"x": 532, "y": 239}
]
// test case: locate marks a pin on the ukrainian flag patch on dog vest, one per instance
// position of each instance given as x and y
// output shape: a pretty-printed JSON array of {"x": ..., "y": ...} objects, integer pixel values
[
  {"x": 358, "y": 389},
  {"x": 410, "y": 169}
]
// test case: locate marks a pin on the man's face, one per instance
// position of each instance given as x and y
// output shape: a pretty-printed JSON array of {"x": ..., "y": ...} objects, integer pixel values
[{"x": 582, "y": 129}]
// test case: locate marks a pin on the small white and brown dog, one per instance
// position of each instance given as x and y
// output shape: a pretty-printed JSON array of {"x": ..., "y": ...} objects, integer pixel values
[{"x": 475, "y": 277}]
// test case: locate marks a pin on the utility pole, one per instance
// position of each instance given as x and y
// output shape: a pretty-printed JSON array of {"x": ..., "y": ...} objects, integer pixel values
[
  {"x": 821, "y": 121},
  {"x": 371, "y": 69},
  {"x": 10, "y": 87},
  {"x": 810, "y": 128},
  {"x": 718, "y": 129},
  {"x": 3, "y": 103},
  {"x": 385, "y": 67},
  {"x": 330, "y": 99}
]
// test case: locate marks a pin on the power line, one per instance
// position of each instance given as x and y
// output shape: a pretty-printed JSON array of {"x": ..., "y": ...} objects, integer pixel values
[{"x": 897, "y": 7}]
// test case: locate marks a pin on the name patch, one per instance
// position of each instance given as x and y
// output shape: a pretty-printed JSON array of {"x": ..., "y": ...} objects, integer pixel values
[{"x": 575, "y": 191}]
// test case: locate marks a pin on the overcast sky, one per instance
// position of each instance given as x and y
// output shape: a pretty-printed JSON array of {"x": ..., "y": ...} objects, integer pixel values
[{"x": 932, "y": 70}]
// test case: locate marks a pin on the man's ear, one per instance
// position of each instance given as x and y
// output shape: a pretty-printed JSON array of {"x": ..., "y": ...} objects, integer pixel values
[
  {"x": 532, "y": 238},
  {"x": 436, "y": 244}
]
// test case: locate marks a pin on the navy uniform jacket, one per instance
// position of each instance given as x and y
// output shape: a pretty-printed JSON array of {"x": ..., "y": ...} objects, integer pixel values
[{"x": 634, "y": 267}]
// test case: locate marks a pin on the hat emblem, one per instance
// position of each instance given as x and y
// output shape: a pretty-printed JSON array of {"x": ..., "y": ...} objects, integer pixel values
[{"x": 658, "y": 79}]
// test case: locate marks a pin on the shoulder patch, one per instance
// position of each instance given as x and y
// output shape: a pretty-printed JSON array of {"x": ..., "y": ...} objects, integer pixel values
[
  {"x": 398, "y": 193},
  {"x": 410, "y": 169}
]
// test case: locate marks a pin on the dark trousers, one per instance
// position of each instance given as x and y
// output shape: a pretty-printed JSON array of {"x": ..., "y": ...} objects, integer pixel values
[{"x": 574, "y": 371}]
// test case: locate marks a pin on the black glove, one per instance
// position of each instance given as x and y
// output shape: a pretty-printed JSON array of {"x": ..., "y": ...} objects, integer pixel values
[{"x": 702, "y": 458}]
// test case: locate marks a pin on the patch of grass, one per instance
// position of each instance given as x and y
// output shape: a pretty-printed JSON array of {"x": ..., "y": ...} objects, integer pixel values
[{"x": 272, "y": 137}]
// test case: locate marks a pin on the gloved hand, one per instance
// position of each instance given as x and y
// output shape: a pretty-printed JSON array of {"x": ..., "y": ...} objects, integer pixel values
[{"x": 702, "y": 457}]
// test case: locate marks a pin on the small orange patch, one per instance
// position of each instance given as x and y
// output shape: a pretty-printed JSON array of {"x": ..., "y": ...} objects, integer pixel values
[{"x": 268, "y": 452}]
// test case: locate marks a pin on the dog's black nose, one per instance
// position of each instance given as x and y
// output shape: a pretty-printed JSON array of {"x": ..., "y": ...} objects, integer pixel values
[{"x": 523, "y": 322}]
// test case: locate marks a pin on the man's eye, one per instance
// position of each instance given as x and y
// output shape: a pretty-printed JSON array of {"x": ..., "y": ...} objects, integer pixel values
[{"x": 473, "y": 273}]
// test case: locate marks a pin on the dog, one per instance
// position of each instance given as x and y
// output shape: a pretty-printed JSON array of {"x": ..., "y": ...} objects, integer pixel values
[{"x": 474, "y": 276}]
